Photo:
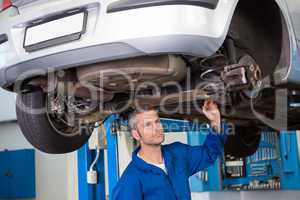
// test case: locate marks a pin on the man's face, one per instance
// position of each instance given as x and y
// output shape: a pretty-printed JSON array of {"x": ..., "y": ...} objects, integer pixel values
[{"x": 149, "y": 130}]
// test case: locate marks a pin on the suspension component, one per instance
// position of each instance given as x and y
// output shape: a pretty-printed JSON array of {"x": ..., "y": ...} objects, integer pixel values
[{"x": 243, "y": 76}]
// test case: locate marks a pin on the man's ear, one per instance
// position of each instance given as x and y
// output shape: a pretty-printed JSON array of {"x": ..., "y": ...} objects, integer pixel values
[{"x": 135, "y": 134}]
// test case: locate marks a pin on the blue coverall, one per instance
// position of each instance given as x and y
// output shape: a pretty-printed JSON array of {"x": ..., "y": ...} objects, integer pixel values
[{"x": 144, "y": 181}]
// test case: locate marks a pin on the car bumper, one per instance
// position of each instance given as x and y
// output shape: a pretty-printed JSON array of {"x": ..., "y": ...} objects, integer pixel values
[{"x": 173, "y": 29}]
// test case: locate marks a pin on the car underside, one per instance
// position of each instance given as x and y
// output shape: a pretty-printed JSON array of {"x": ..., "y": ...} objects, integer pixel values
[
  {"x": 241, "y": 76},
  {"x": 238, "y": 74}
]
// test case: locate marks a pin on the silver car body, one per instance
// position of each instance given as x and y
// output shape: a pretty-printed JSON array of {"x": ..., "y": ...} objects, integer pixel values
[{"x": 168, "y": 29}]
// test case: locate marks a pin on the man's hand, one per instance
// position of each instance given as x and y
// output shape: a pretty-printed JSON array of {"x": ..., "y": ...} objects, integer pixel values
[{"x": 211, "y": 111}]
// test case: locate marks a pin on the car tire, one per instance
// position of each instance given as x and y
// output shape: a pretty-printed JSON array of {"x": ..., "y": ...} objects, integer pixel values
[
  {"x": 38, "y": 130},
  {"x": 244, "y": 142}
]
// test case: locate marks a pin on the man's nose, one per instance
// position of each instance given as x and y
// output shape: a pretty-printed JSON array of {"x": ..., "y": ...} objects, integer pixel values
[{"x": 159, "y": 126}]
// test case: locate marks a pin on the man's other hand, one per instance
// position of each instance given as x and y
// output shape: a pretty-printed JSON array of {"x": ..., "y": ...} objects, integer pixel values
[{"x": 211, "y": 111}]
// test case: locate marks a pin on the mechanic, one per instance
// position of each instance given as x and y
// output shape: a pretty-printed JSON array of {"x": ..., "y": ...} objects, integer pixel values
[{"x": 161, "y": 172}]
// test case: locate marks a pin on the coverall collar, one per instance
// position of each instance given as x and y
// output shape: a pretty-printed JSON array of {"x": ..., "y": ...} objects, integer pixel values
[{"x": 142, "y": 165}]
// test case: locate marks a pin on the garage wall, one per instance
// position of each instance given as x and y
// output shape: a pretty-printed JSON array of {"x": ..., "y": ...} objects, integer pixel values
[
  {"x": 56, "y": 175},
  {"x": 253, "y": 195},
  {"x": 7, "y": 106}
]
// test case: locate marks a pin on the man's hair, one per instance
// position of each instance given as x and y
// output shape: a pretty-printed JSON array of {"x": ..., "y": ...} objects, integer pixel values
[{"x": 132, "y": 117}]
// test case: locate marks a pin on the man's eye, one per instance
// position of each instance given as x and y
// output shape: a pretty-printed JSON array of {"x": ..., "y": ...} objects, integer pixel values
[{"x": 148, "y": 124}]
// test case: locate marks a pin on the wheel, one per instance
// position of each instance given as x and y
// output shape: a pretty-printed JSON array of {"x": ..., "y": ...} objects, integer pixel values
[
  {"x": 244, "y": 142},
  {"x": 42, "y": 131}
]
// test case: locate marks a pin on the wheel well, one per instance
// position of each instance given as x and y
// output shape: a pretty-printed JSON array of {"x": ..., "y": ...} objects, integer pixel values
[{"x": 258, "y": 28}]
